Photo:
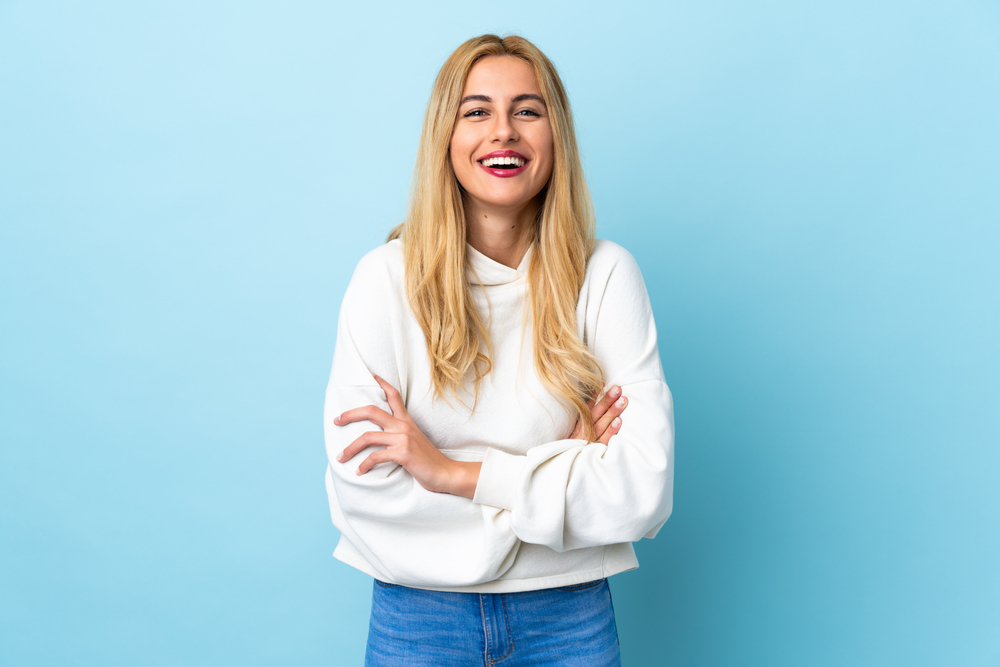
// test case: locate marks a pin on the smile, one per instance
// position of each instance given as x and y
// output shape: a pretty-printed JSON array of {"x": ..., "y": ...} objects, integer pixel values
[{"x": 503, "y": 164}]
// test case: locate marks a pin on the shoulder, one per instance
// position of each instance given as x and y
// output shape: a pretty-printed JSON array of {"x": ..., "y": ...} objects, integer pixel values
[
  {"x": 609, "y": 253},
  {"x": 609, "y": 261},
  {"x": 377, "y": 283},
  {"x": 386, "y": 259},
  {"x": 615, "y": 316},
  {"x": 374, "y": 304},
  {"x": 379, "y": 271}
]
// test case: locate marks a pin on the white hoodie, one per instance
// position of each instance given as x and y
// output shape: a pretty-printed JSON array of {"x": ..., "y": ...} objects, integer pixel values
[{"x": 547, "y": 511}]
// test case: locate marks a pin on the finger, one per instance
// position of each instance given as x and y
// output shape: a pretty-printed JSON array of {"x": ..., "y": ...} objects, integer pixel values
[
  {"x": 616, "y": 409},
  {"x": 374, "y": 414},
  {"x": 602, "y": 406},
  {"x": 613, "y": 428},
  {"x": 369, "y": 439},
  {"x": 391, "y": 395},
  {"x": 373, "y": 459}
]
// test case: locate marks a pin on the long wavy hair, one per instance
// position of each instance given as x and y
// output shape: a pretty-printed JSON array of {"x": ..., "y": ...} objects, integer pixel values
[{"x": 434, "y": 240}]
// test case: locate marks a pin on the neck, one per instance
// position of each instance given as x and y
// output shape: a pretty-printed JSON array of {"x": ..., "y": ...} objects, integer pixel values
[{"x": 503, "y": 235}]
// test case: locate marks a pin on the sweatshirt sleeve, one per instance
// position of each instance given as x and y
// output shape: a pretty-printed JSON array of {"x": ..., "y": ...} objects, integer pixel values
[
  {"x": 385, "y": 514},
  {"x": 569, "y": 494}
]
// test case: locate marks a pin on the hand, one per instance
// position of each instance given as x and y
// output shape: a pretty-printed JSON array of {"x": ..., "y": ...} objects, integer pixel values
[
  {"x": 407, "y": 446},
  {"x": 604, "y": 414}
]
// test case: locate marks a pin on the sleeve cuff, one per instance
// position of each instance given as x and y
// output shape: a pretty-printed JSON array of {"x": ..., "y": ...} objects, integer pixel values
[{"x": 498, "y": 479}]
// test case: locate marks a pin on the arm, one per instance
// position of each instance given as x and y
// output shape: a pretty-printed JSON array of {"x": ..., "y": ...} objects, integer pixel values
[
  {"x": 569, "y": 494},
  {"x": 386, "y": 514},
  {"x": 407, "y": 446}
]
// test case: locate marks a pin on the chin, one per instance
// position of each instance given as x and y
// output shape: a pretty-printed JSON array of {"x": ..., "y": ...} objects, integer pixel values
[
  {"x": 506, "y": 198},
  {"x": 507, "y": 202}
]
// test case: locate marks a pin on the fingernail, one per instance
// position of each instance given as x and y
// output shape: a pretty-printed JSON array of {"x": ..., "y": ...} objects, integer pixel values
[
  {"x": 620, "y": 402},
  {"x": 616, "y": 422},
  {"x": 336, "y": 420},
  {"x": 358, "y": 471},
  {"x": 340, "y": 457},
  {"x": 615, "y": 391}
]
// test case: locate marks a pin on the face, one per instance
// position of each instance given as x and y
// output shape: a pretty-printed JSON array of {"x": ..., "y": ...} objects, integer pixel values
[{"x": 501, "y": 148}]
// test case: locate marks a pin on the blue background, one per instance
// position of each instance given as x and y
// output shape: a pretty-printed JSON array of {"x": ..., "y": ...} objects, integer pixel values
[{"x": 811, "y": 189}]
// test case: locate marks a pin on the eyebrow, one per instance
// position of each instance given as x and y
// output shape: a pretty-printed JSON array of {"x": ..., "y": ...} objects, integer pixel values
[{"x": 486, "y": 98}]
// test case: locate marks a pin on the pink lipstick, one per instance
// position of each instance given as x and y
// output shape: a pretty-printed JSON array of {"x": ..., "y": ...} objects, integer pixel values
[{"x": 503, "y": 164}]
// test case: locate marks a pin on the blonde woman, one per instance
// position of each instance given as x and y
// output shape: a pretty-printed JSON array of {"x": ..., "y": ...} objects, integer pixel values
[{"x": 469, "y": 473}]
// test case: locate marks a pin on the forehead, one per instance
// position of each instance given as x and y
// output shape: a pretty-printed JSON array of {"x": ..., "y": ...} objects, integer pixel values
[{"x": 501, "y": 77}]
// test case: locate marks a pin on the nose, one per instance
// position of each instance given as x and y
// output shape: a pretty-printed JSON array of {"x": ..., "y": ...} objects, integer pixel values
[{"x": 503, "y": 130}]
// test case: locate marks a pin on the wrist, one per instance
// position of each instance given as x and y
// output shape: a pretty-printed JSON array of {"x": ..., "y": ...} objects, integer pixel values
[{"x": 463, "y": 477}]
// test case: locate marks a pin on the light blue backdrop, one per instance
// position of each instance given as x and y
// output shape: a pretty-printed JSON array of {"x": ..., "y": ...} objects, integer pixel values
[{"x": 811, "y": 189}]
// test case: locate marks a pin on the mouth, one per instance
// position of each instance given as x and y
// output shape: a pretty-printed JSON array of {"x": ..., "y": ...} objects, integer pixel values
[{"x": 503, "y": 163}]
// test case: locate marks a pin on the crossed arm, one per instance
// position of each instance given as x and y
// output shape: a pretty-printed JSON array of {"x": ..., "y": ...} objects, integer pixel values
[
  {"x": 408, "y": 447},
  {"x": 563, "y": 493}
]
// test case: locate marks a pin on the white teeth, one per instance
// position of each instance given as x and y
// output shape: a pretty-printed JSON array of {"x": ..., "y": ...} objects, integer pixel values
[{"x": 506, "y": 161}]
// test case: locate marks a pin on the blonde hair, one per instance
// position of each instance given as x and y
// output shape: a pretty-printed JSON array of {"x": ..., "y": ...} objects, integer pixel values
[{"x": 434, "y": 239}]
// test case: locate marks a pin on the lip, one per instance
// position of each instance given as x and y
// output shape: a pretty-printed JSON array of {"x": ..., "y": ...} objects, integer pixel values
[{"x": 503, "y": 173}]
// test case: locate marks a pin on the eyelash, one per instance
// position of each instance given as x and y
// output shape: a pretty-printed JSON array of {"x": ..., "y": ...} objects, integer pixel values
[{"x": 472, "y": 112}]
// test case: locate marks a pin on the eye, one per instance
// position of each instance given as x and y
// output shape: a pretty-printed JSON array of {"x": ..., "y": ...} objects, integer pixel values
[
  {"x": 528, "y": 112},
  {"x": 473, "y": 113}
]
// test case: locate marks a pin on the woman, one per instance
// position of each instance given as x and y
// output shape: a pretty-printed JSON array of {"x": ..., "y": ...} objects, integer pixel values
[{"x": 469, "y": 474}]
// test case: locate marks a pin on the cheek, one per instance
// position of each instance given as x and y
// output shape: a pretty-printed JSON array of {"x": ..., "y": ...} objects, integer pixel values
[
  {"x": 460, "y": 147},
  {"x": 459, "y": 151},
  {"x": 459, "y": 165},
  {"x": 543, "y": 143},
  {"x": 548, "y": 159}
]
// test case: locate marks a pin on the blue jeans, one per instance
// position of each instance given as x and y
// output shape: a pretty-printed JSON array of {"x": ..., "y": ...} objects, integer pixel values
[{"x": 571, "y": 625}]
